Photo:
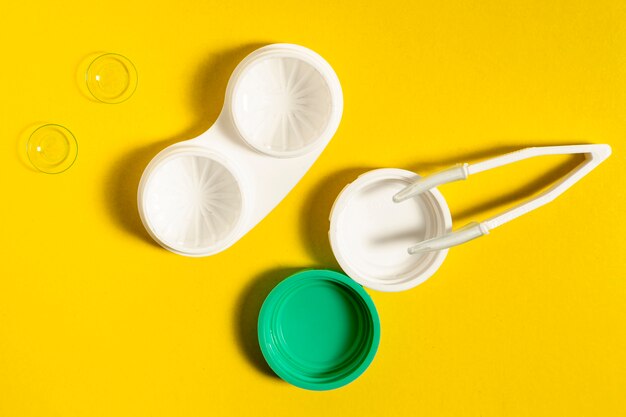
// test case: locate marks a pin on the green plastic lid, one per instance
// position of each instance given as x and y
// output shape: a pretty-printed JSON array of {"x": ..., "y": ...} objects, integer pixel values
[{"x": 318, "y": 330}]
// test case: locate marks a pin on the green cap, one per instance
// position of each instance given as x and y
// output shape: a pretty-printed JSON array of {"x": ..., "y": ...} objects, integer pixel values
[{"x": 318, "y": 330}]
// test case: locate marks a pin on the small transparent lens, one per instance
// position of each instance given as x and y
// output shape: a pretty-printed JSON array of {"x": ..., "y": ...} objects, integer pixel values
[
  {"x": 52, "y": 149},
  {"x": 111, "y": 78}
]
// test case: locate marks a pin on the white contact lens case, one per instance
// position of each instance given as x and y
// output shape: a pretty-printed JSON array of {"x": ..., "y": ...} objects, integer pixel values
[{"x": 283, "y": 104}]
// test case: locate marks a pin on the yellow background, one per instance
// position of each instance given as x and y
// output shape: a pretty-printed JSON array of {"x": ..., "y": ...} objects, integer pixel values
[{"x": 96, "y": 320}]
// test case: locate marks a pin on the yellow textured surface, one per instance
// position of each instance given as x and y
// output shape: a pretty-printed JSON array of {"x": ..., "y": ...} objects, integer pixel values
[{"x": 96, "y": 320}]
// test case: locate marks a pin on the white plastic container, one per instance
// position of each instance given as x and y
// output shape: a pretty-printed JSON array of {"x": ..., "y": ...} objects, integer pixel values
[{"x": 283, "y": 104}]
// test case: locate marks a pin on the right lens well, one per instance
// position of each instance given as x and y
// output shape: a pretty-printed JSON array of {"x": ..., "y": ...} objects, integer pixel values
[{"x": 281, "y": 105}]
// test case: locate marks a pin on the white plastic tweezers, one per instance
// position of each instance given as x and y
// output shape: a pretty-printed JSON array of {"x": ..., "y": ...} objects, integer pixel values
[{"x": 594, "y": 155}]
